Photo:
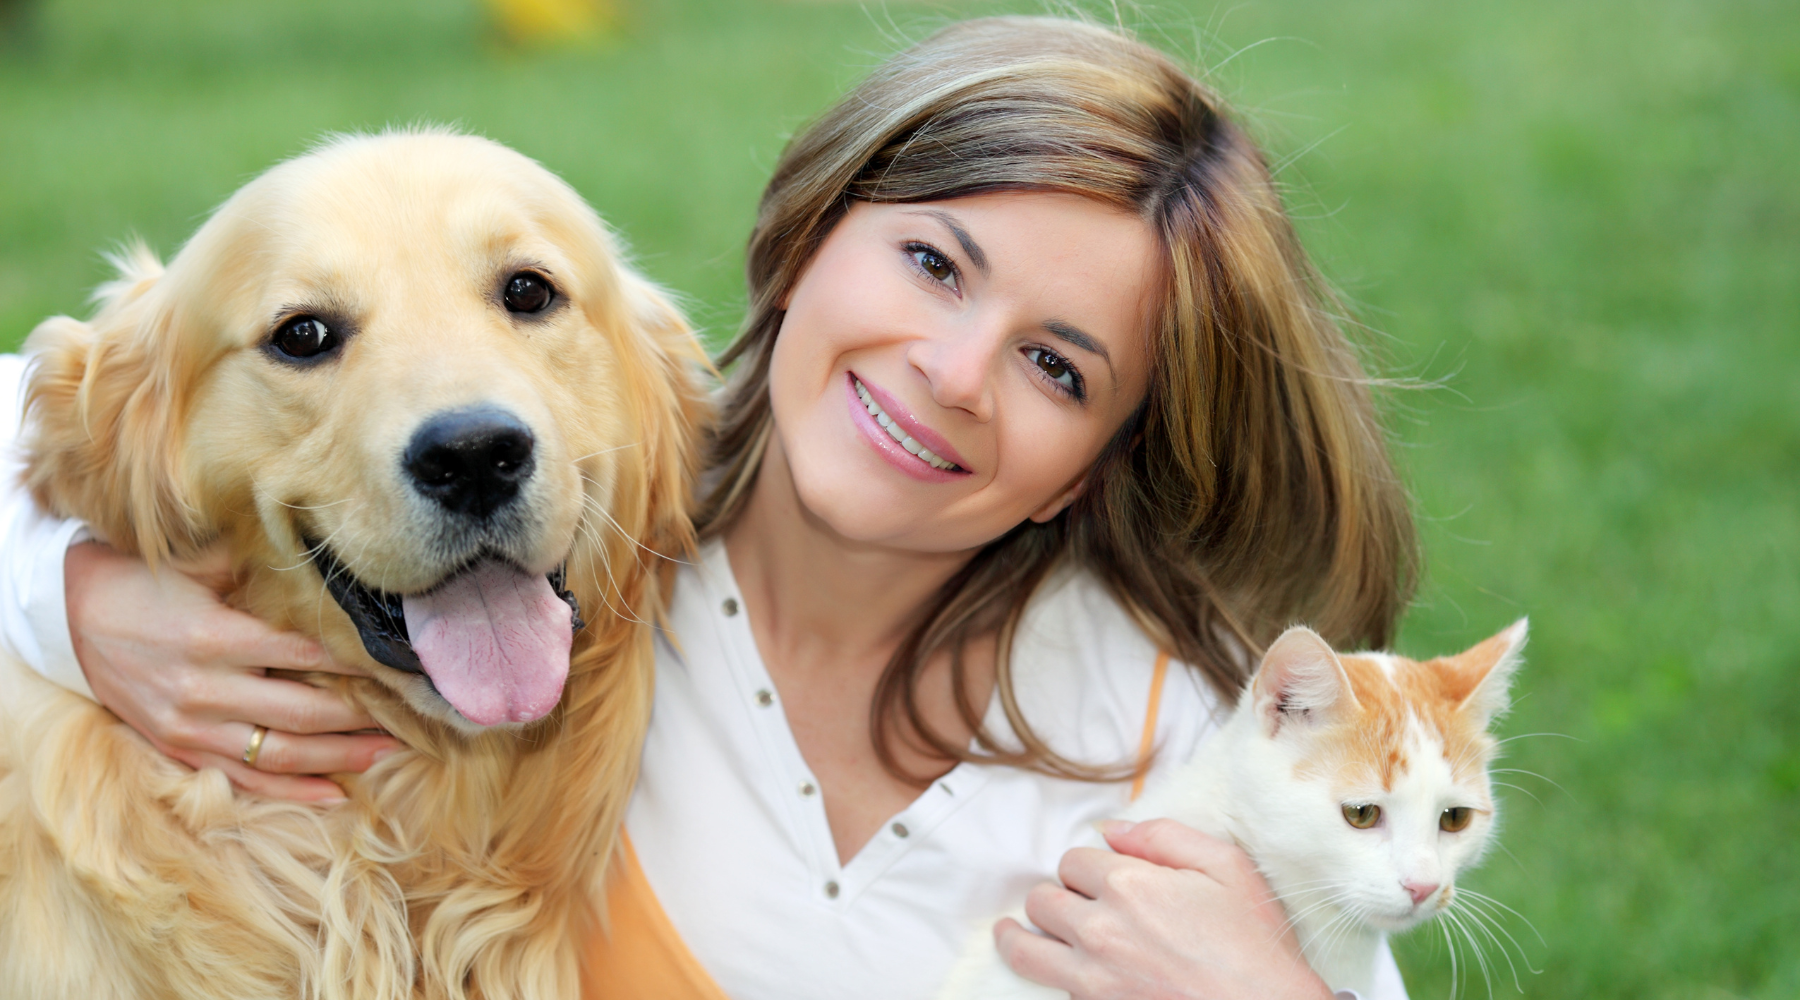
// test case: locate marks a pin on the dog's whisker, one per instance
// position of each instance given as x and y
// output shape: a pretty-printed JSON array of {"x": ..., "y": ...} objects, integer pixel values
[
  {"x": 603, "y": 512},
  {"x": 310, "y": 555},
  {"x": 321, "y": 506},
  {"x": 604, "y": 451}
]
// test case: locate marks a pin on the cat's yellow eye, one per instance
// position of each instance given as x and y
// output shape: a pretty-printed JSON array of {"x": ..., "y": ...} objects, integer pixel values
[
  {"x": 1362, "y": 817},
  {"x": 1455, "y": 819}
]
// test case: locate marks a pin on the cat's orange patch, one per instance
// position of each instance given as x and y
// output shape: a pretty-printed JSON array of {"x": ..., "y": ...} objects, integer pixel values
[{"x": 1367, "y": 743}]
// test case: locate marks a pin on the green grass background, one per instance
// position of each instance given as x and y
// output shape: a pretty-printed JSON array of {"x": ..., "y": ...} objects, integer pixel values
[{"x": 1583, "y": 217}]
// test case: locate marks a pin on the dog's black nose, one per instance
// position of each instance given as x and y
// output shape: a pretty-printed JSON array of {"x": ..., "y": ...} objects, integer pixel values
[{"x": 470, "y": 461}]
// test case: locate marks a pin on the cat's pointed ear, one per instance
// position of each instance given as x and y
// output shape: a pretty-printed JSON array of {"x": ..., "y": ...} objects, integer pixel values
[
  {"x": 1300, "y": 681},
  {"x": 1482, "y": 674}
]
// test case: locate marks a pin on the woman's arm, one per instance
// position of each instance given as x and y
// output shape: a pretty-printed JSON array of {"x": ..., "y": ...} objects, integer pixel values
[
  {"x": 164, "y": 653},
  {"x": 1172, "y": 913}
]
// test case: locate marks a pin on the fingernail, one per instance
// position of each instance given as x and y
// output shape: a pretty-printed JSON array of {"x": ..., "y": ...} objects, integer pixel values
[
  {"x": 1114, "y": 827},
  {"x": 333, "y": 800},
  {"x": 382, "y": 754}
]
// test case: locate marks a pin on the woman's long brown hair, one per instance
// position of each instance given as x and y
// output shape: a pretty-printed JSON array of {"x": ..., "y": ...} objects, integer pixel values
[{"x": 1251, "y": 490}]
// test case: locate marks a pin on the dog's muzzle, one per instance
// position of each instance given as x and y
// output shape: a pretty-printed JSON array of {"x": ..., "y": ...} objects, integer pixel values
[{"x": 380, "y": 618}]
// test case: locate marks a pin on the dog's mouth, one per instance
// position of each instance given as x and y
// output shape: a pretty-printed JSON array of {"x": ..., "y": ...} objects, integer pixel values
[{"x": 491, "y": 639}]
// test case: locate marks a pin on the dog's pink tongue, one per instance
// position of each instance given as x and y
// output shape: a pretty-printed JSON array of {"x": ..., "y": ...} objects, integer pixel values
[{"x": 494, "y": 641}]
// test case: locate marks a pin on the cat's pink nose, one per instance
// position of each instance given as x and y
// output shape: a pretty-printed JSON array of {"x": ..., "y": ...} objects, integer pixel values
[{"x": 1419, "y": 890}]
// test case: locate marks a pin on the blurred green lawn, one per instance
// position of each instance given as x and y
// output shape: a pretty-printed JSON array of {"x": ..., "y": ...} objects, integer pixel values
[{"x": 1584, "y": 218}]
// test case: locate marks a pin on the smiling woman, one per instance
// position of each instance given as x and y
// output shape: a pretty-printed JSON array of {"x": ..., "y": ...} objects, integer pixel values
[{"x": 1065, "y": 242}]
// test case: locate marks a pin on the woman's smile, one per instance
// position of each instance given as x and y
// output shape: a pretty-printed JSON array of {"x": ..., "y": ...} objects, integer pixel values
[{"x": 912, "y": 447}]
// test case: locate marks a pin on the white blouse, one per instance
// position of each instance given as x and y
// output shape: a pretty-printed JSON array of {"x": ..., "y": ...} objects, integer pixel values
[
  {"x": 730, "y": 829},
  {"x": 728, "y": 822}
]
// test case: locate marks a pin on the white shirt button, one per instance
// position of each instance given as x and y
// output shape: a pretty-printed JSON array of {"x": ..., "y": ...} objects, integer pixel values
[
  {"x": 831, "y": 890},
  {"x": 808, "y": 788},
  {"x": 730, "y": 607},
  {"x": 765, "y": 697},
  {"x": 900, "y": 830}
]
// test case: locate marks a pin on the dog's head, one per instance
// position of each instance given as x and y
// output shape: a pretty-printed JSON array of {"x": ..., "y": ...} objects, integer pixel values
[{"x": 409, "y": 371}]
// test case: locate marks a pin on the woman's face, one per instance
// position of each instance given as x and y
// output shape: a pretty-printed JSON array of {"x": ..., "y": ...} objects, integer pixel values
[{"x": 946, "y": 370}]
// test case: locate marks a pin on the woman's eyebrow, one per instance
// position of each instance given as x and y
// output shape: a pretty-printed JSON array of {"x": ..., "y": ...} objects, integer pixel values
[
  {"x": 969, "y": 246},
  {"x": 1070, "y": 334}
]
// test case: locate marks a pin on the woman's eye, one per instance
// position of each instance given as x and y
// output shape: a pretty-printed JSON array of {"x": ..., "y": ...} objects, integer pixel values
[
  {"x": 935, "y": 264},
  {"x": 1362, "y": 817},
  {"x": 1455, "y": 819},
  {"x": 304, "y": 337},
  {"x": 527, "y": 292},
  {"x": 1056, "y": 368}
]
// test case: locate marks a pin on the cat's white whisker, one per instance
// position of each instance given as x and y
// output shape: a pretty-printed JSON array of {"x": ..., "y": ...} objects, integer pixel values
[
  {"x": 1317, "y": 905},
  {"x": 1479, "y": 950},
  {"x": 1531, "y": 774},
  {"x": 1526, "y": 736},
  {"x": 1450, "y": 945},
  {"x": 1495, "y": 902},
  {"x": 1519, "y": 789},
  {"x": 1489, "y": 924},
  {"x": 1481, "y": 922}
]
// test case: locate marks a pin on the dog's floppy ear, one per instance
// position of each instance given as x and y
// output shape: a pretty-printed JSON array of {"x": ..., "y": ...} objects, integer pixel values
[
  {"x": 104, "y": 410},
  {"x": 674, "y": 406}
]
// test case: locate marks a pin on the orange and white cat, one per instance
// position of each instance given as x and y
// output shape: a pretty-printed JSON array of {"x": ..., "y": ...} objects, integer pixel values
[{"x": 1357, "y": 782}]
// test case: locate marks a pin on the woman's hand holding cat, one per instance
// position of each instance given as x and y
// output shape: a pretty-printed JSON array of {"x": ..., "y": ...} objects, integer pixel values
[
  {"x": 164, "y": 653},
  {"x": 1174, "y": 913}
]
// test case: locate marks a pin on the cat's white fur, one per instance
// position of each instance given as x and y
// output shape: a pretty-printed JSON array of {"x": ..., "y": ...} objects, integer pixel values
[{"x": 1275, "y": 779}]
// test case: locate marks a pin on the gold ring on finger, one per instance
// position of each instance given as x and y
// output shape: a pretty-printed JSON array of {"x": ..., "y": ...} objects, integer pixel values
[{"x": 255, "y": 747}]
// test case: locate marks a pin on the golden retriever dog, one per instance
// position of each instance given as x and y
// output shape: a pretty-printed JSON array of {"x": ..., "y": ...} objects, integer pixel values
[{"x": 409, "y": 384}]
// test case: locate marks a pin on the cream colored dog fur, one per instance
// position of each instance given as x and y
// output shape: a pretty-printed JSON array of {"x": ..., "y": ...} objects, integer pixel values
[{"x": 468, "y": 865}]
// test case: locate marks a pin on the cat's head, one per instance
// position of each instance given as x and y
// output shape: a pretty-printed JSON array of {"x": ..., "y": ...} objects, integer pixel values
[{"x": 1373, "y": 787}]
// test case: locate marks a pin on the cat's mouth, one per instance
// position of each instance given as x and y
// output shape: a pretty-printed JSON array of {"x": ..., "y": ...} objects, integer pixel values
[{"x": 1407, "y": 914}]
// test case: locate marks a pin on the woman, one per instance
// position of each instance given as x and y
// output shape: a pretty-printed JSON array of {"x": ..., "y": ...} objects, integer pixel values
[{"x": 1037, "y": 392}]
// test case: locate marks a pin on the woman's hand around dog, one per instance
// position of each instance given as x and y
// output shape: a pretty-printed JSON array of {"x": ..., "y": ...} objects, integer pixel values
[
  {"x": 166, "y": 655},
  {"x": 1174, "y": 913}
]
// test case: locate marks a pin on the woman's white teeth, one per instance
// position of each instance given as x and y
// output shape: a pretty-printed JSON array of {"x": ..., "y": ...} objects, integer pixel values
[{"x": 907, "y": 441}]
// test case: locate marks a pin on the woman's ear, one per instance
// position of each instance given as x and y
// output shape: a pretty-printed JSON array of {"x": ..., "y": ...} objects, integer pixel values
[
  {"x": 104, "y": 423},
  {"x": 1061, "y": 501}
]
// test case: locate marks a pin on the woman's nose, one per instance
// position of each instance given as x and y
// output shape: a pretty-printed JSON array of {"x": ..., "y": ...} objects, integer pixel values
[{"x": 959, "y": 365}]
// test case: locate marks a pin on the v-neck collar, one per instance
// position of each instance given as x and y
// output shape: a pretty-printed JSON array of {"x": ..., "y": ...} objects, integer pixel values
[{"x": 803, "y": 797}]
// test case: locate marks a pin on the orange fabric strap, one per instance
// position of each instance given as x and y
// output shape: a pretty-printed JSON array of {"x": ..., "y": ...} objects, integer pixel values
[
  {"x": 1148, "y": 742},
  {"x": 642, "y": 958}
]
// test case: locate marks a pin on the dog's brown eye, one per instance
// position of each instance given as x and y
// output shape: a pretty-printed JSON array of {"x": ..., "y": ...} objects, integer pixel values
[
  {"x": 304, "y": 337},
  {"x": 527, "y": 293}
]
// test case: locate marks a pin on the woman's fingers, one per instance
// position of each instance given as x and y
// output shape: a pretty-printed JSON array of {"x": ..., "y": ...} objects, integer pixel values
[
  {"x": 255, "y": 644},
  {"x": 289, "y": 706},
  {"x": 1175, "y": 845},
  {"x": 1039, "y": 959},
  {"x": 1091, "y": 871},
  {"x": 286, "y": 753},
  {"x": 1056, "y": 911},
  {"x": 294, "y": 788}
]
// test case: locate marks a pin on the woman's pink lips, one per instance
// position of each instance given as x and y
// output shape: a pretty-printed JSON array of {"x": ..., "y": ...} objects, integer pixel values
[
  {"x": 898, "y": 413},
  {"x": 889, "y": 448}
]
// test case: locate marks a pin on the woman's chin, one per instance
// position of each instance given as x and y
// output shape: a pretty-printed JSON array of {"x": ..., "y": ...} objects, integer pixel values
[{"x": 864, "y": 508}]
